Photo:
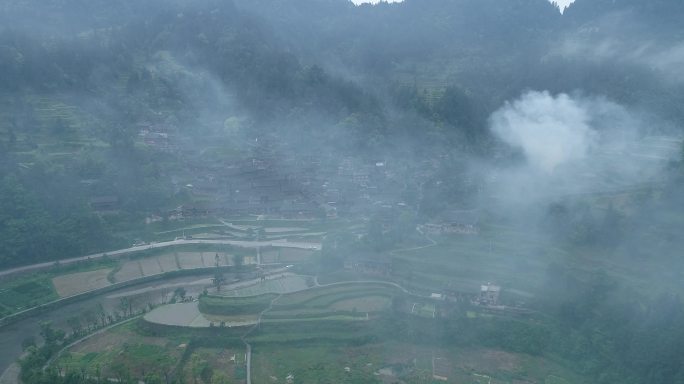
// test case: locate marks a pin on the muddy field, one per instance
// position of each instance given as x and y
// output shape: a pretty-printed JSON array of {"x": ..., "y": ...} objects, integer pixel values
[
  {"x": 188, "y": 315},
  {"x": 274, "y": 284},
  {"x": 285, "y": 255},
  {"x": 75, "y": 283},
  {"x": 150, "y": 266},
  {"x": 129, "y": 270},
  {"x": 269, "y": 256},
  {"x": 285, "y": 229},
  {"x": 168, "y": 263},
  {"x": 189, "y": 260},
  {"x": 182, "y": 314}
]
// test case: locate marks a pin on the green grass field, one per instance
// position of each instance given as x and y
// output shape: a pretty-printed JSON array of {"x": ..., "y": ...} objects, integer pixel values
[
  {"x": 509, "y": 258},
  {"x": 26, "y": 293},
  {"x": 322, "y": 363},
  {"x": 122, "y": 351}
]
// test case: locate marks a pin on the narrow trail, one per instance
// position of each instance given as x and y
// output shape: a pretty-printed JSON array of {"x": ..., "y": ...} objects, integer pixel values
[
  {"x": 428, "y": 238},
  {"x": 248, "y": 345},
  {"x": 86, "y": 337}
]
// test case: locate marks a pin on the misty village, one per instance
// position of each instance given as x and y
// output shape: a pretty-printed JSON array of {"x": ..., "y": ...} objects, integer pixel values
[{"x": 341, "y": 191}]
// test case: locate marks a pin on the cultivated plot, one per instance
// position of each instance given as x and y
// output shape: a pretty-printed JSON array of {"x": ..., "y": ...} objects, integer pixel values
[
  {"x": 129, "y": 270},
  {"x": 168, "y": 262},
  {"x": 423, "y": 310},
  {"x": 150, "y": 266},
  {"x": 209, "y": 259},
  {"x": 190, "y": 260},
  {"x": 75, "y": 283},
  {"x": 293, "y": 255},
  {"x": 284, "y": 229},
  {"x": 180, "y": 315},
  {"x": 223, "y": 363},
  {"x": 119, "y": 349},
  {"x": 273, "y": 284}
]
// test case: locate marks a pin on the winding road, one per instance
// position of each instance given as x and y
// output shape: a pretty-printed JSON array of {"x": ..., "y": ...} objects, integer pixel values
[{"x": 126, "y": 251}]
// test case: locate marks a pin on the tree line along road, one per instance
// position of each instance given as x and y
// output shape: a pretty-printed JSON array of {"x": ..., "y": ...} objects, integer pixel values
[{"x": 126, "y": 251}]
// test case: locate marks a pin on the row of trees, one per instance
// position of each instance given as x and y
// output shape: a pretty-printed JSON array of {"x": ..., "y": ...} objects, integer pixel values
[{"x": 36, "y": 364}]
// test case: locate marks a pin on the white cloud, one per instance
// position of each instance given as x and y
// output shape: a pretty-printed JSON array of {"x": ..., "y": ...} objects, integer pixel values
[
  {"x": 357, "y": 2},
  {"x": 577, "y": 144},
  {"x": 562, "y": 4},
  {"x": 550, "y": 130}
]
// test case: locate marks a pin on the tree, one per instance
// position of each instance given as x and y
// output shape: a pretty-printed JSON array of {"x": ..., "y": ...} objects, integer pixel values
[
  {"x": 180, "y": 292},
  {"x": 152, "y": 378},
  {"x": 90, "y": 317},
  {"x": 238, "y": 260},
  {"x": 28, "y": 342},
  {"x": 220, "y": 378},
  {"x": 197, "y": 366},
  {"x": 207, "y": 372},
  {"x": 74, "y": 323},
  {"x": 124, "y": 305},
  {"x": 121, "y": 371},
  {"x": 49, "y": 334},
  {"x": 99, "y": 309},
  {"x": 218, "y": 279}
]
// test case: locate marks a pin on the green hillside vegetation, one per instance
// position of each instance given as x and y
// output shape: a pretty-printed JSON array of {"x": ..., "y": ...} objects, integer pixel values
[{"x": 380, "y": 131}]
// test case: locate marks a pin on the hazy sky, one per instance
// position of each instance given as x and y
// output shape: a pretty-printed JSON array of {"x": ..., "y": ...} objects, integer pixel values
[
  {"x": 561, "y": 3},
  {"x": 374, "y": 1}
]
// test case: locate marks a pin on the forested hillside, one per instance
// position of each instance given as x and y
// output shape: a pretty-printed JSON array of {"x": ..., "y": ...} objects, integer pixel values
[
  {"x": 79, "y": 82},
  {"x": 428, "y": 144}
]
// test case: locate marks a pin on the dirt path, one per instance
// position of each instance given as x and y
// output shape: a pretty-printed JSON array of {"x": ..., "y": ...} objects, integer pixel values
[
  {"x": 432, "y": 244},
  {"x": 84, "y": 338},
  {"x": 11, "y": 374},
  {"x": 248, "y": 345}
]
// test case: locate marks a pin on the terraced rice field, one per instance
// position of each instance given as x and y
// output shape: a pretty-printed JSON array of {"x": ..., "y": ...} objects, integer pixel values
[
  {"x": 285, "y": 255},
  {"x": 293, "y": 255},
  {"x": 129, "y": 270},
  {"x": 75, "y": 283},
  {"x": 330, "y": 294},
  {"x": 210, "y": 259},
  {"x": 189, "y": 260},
  {"x": 285, "y": 229},
  {"x": 150, "y": 266},
  {"x": 168, "y": 263},
  {"x": 249, "y": 260},
  {"x": 286, "y": 284},
  {"x": 341, "y": 302},
  {"x": 180, "y": 315},
  {"x": 269, "y": 256}
]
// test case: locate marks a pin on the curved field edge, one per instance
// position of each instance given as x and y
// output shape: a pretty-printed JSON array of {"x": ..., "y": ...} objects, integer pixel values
[{"x": 218, "y": 305}]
